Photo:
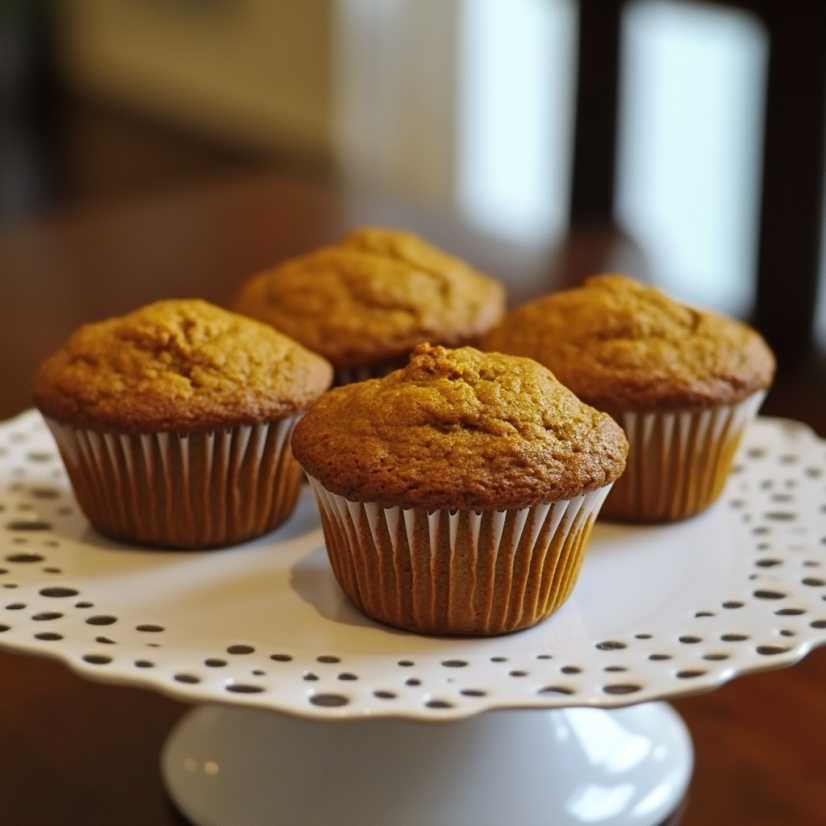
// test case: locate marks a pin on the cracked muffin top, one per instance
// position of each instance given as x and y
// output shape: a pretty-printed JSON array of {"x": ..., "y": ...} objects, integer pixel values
[
  {"x": 373, "y": 296},
  {"x": 181, "y": 365},
  {"x": 621, "y": 345},
  {"x": 459, "y": 429}
]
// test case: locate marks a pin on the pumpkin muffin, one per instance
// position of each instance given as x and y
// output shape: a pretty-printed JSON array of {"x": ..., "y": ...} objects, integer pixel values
[
  {"x": 174, "y": 422},
  {"x": 365, "y": 302},
  {"x": 457, "y": 494},
  {"x": 684, "y": 384}
]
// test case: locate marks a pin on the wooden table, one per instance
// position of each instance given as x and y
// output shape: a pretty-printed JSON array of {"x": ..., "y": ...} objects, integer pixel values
[{"x": 80, "y": 753}]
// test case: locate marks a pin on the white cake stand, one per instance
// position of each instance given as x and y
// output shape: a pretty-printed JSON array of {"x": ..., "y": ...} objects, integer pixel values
[{"x": 658, "y": 612}]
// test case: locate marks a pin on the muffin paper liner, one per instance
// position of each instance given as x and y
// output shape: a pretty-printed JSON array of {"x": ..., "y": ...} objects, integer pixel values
[
  {"x": 348, "y": 375},
  {"x": 455, "y": 571},
  {"x": 182, "y": 490},
  {"x": 678, "y": 462}
]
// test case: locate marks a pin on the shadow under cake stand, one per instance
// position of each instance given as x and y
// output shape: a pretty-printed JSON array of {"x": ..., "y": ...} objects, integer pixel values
[{"x": 374, "y": 726}]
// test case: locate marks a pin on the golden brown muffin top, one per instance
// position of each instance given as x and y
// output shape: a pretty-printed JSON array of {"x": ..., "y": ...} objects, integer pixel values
[
  {"x": 181, "y": 365},
  {"x": 621, "y": 345},
  {"x": 373, "y": 296},
  {"x": 459, "y": 429}
]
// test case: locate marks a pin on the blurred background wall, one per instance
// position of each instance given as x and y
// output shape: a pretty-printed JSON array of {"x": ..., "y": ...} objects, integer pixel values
[{"x": 253, "y": 73}]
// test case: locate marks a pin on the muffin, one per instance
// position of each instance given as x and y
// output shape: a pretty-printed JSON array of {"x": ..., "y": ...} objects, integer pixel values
[
  {"x": 174, "y": 422},
  {"x": 457, "y": 494},
  {"x": 684, "y": 384},
  {"x": 365, "y": 302}
]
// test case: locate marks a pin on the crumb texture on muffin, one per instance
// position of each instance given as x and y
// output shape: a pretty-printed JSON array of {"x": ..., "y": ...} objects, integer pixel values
[
  {"x": 622, "y": 345},
  {"x": 459, "y": 429},
  {"x": 373, "y": 296},
  {"x": 182, "y": 365}
]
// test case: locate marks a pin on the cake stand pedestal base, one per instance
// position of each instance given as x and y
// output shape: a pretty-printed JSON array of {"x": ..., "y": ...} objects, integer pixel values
[{"x": 227, "y": 766}]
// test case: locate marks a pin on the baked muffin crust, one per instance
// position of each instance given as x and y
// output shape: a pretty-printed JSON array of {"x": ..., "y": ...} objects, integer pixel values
[
  {"x": 621, "y": 345},
  {"x": 459, "y": 429},
  {"x": 373, "y": 296},
  {"x": 182, "y": 365}
]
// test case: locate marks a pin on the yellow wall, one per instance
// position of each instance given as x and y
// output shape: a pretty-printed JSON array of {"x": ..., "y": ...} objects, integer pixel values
[{"x": 257, "y": 72}]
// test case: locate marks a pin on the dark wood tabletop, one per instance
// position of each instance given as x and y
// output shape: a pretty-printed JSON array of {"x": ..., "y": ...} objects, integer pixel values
[{"x": 74, "y": 752}]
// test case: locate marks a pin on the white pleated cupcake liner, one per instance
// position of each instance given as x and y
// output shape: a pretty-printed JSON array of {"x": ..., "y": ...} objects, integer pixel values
[
  {"x": 454, "y": 571},
  {"x": 191, "y": 490},
  {"x": 678, "y": 461}
]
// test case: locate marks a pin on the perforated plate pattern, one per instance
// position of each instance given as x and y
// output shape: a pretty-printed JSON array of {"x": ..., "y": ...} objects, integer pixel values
[{"x": 658, "y": 611}]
